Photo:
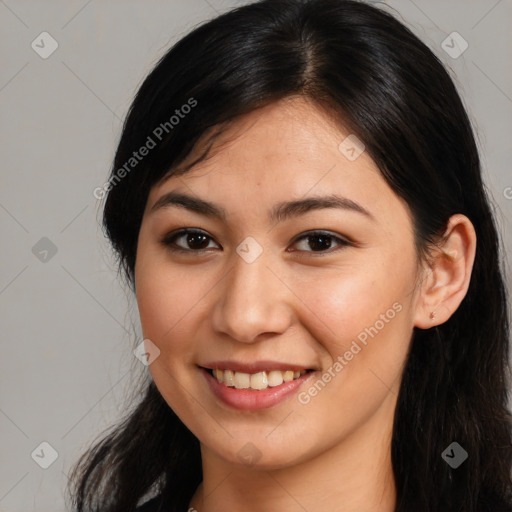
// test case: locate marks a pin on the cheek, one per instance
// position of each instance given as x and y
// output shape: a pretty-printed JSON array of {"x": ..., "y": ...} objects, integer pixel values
[
  {"x": 347, "y": 302},
  {"x": 362, "y": 315},
  {"x": 163, "y": 299},
  {"x": 153, "y": 302},
  {"x": 172, "y": 301}
]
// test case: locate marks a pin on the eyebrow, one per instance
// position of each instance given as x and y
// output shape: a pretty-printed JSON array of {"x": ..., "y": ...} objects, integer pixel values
[{"x": 279, "y": 213}]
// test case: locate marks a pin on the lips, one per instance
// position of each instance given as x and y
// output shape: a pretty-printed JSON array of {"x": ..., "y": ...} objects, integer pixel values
[
  {"x": 253, "y": 399},
  {"x": 255, "y": 385}
]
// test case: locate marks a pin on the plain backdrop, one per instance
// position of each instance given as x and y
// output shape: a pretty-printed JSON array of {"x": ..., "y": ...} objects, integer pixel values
[{"x": 68, "y": 327}]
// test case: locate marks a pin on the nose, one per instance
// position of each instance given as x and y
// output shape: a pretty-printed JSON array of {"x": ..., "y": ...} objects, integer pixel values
[{"x": 252, "y": 300}]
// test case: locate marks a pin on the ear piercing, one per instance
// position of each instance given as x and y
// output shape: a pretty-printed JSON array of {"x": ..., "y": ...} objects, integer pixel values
[{"x": 432, "y": 315}]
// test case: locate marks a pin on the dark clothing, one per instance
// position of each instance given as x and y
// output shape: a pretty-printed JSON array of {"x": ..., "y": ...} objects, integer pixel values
[{"x": 153, "y": 505}]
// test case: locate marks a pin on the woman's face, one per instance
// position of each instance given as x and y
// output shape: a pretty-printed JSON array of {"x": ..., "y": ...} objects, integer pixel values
[{"x": 251, "y": 296}]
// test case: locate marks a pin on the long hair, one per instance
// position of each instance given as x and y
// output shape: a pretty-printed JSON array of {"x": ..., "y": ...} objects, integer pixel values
[{"x": 367, "y": 71}]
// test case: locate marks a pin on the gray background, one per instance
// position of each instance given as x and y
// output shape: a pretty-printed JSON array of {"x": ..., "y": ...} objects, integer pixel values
[{"x": 68, "y": 327}]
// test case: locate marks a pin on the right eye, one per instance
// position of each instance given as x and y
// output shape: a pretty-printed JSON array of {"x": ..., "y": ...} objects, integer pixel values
[{"x": 196, "y": 240}]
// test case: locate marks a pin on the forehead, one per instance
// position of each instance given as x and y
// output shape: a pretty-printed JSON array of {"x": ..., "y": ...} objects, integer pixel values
[
  {"x": 287, "y": 150},
  {"x": 292, "y": 125}
]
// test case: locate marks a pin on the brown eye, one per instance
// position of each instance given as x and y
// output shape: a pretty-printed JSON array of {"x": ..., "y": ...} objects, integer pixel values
[
  {"x": 191, "y": 240},
  {"x": 320, "y": 242}
]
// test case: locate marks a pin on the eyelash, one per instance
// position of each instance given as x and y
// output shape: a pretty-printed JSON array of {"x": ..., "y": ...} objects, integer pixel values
[{"x": 169, "y": 242}]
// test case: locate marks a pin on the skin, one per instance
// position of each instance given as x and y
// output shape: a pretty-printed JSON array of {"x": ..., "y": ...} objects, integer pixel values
[{"x": 332, "y": 453}]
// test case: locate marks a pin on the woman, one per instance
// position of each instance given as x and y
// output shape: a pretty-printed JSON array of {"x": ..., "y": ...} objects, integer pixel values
[{"x": 297, "y": 202}]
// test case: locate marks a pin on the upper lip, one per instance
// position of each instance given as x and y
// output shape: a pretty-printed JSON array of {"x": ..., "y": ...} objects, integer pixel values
[{"x": 254, "y": 367}]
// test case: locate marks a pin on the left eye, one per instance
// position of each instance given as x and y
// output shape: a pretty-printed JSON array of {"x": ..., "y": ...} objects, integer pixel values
[
  {"x": 320, "y": 241},
  {"x": 198, "y": 241}
]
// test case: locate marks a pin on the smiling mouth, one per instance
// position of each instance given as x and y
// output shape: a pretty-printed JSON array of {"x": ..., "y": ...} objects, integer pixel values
[{"x": 255, "y": 381}]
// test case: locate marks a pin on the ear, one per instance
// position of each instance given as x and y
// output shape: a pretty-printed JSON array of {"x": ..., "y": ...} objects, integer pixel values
[{"x": 446, "y": 277}]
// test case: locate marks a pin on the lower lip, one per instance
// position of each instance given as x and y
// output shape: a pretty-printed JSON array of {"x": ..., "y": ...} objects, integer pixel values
[{"x": 252, "y": 399}]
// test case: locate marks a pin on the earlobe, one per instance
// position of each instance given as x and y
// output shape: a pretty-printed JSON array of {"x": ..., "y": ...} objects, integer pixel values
[{"x": 448, "y": 274}]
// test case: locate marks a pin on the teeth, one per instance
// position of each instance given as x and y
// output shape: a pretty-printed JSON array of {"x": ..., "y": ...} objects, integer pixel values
[
  {"x": 275, "y": 378},
  {"x": 257, "y": 381},
  {"x": 242, "y": 380},
  {"x": 229, "y": 378},
  {"x": 288, "y": 376}
]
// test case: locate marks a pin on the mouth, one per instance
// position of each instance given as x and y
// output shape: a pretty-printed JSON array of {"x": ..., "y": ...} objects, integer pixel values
[{"x": 254, "y": 391}]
